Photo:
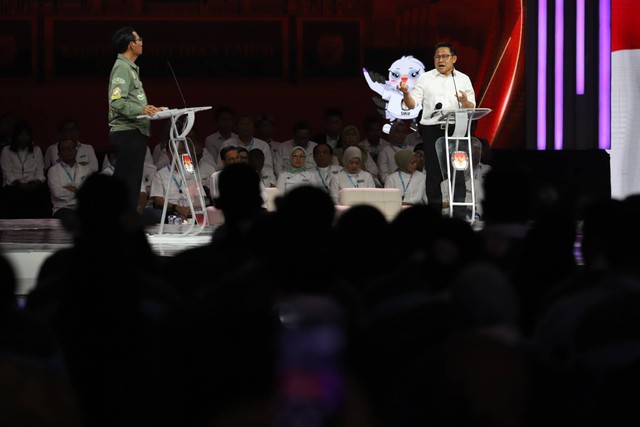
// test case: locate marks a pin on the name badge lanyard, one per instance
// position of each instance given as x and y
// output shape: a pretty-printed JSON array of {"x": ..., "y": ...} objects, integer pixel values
[
  {"x": 71, "y": 178},
  {"x": 355, "y": 184},
  {"x": 322, "y": 179},
  {"x": 404, "y": 187}
]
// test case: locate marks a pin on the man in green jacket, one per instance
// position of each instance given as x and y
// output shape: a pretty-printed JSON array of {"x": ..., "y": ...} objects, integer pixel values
[{"x": 128, "y": 135}]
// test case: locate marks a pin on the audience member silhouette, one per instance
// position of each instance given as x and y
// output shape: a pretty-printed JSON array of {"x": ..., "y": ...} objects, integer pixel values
[{"x": 109, "y": 308}]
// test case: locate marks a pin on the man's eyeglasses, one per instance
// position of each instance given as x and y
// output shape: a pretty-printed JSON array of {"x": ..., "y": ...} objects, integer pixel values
[
  {"x": 445, "y": 57},
  {"x": 138, "y": 40}
]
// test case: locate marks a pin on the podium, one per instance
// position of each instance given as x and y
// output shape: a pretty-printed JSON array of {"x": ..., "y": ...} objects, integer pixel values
[
  {"x": 186, "y": 164},
  {"x": 455, "y": 153}
]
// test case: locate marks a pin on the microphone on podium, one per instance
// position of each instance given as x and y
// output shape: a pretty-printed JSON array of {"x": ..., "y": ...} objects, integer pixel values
[
  {"x": 436, "y": 110},
  {"x": 177, "y": 84},
  {"x": 453, "y": 70}
]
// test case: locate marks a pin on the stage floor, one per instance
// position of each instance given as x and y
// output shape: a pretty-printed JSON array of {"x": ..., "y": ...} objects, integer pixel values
[{"x": 26, "y": 243}]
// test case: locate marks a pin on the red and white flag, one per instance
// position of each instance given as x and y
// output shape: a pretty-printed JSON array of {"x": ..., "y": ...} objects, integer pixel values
[{"x": 625, "y": 98}]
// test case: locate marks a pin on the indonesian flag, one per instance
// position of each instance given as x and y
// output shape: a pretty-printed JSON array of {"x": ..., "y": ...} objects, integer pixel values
[{"x": 625, "y": 98}]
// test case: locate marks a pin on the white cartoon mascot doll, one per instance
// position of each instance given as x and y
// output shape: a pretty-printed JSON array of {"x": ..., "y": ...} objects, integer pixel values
[{"x": 406, "y": 69}]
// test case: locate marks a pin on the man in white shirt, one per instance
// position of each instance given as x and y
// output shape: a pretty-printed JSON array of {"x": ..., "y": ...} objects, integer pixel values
[
  {"x": 373, "y": 143},
  {"x": 264, "y": 131},
  {"x": 325, "y": 170},
  {"x": 206, "y": 167},
  {"x": 224, "y": 122},
  {"x": 85, "y": 154},
  {"x": 247, "y": 141},
  {"x": 179, "y": 190},
  {"x": 64, "y": 179},
  {"x": 229, "y": 156},
  {"x": 448, "y": 89}
]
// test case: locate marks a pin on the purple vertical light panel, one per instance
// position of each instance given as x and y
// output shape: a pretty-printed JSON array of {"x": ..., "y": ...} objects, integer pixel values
[
  {"x": 604, "y": 118},
  {"x": 558, "y": 109},
  {"x": 579, "y": 47},
  {"x": 542, "y": 75}
]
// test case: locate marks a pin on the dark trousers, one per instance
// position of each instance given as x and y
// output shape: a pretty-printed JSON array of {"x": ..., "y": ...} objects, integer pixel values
[
  {"x": 430, "y": 135},
  {"x": 130, "y": 148}
]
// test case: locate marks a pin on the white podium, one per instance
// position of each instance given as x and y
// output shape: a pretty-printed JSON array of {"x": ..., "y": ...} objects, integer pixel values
[
  {"x": 187, "y": 165},
  {"x": 455, "y": 152}
]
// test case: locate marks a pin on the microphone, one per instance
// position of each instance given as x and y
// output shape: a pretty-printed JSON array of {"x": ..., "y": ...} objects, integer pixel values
[
  {"x": 454, "y": 85},
  {"x": 178, "y": 85},
  {"x": 436, "y": 110}
]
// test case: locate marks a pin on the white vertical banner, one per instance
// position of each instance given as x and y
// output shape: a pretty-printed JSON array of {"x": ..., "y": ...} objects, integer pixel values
[{"x": 625, "y": 98}]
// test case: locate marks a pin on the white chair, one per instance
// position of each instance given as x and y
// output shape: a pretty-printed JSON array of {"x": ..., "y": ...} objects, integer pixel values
[{"x": 386, "y": 200}]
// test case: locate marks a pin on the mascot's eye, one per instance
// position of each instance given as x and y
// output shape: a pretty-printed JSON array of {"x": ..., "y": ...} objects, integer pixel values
[
  {"x": 415, "y": 74},
  {"x": 394, "y": 74}
]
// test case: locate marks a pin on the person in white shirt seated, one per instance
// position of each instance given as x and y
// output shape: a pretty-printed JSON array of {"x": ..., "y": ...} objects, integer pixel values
[
  {"x": 325, "y": 170},
  {"x": 373, "y": 143},
  {"x": 406, "y": 178},
  {"x": 65, "y": 178},
  {"x": 205, "y": 167},
  {"x": 86, "y": 155},
  {"x": 351, "y": 138},
  {"x": 24, "y": 192},
  {"x": 256, "y": 161},
  {"x": 247, "y": 141},
  {"x": 386, "y": 161},
  {"x": 225, "y": 121},
  {"x": 229, "y": 156},
  {"x": 297, "y": 174},
  {"x": 179, "y": 189},
  {"x": 352, "y": 175},
  {"x": 264, "y": 130},
  {"x": 301, "y": 138}
]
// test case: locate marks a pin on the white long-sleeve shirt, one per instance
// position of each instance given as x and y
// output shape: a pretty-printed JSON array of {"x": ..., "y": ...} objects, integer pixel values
[
  {"x": 374, "y": 151},
  {"x": 23, "y": 165},
  {"x": 179, "y": 190},
  {"x": 85, "y": 155},
  {"x": 287, "y": 181},
  {"x": 213, "y": 144},
  {"x": 387, "y": 162},
  {"x": 321, "y": 177},
  {"x": 433, "y": 87},
  {"x": 412, "y": 185},
  {"x": 362, "y": 179},
  {"x": 62, "y": 175}
]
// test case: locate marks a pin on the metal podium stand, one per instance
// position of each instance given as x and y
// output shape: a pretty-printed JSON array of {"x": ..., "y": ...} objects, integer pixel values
[
  {"x": 455, "y": 151},
  {"x": 176, "y": 137}
]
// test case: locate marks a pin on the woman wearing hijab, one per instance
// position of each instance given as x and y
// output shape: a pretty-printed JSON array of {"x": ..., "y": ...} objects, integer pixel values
[
  {"x": 352, "y": 175},
  {"x": 408, "y": 179},
  {"x": 350, "y": 137},
  {"x": 296, "y": 174}
]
